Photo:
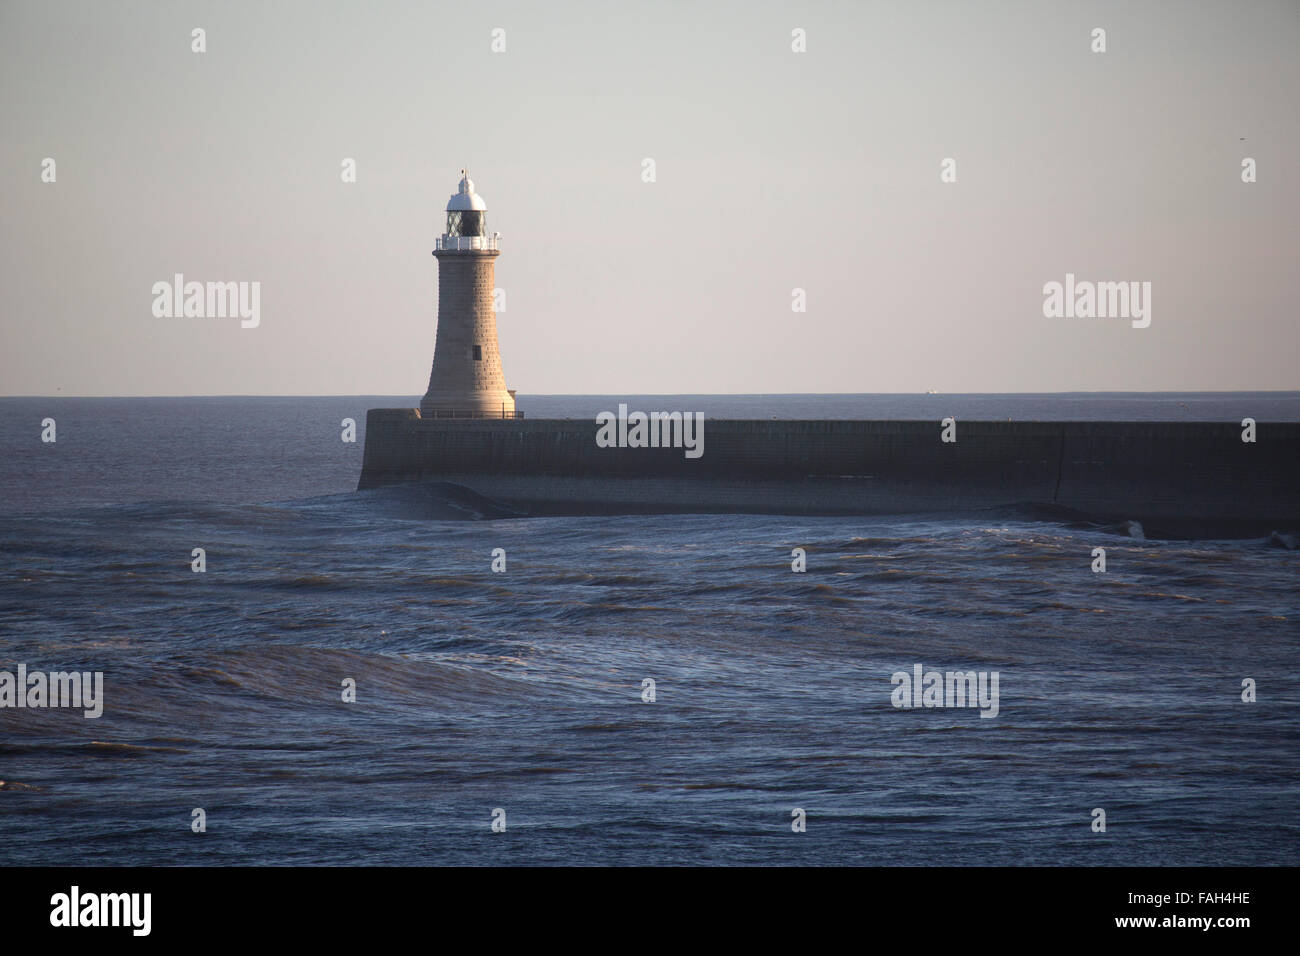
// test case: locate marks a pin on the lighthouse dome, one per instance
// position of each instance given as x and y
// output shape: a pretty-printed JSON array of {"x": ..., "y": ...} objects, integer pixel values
[{"x": 465, "y": 199}]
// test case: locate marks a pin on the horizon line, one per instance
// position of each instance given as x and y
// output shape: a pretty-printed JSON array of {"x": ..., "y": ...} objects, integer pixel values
[{"x": 416, "y": 397}]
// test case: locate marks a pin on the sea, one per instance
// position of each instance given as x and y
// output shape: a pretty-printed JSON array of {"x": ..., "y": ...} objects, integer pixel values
[{"x": 349, "y": 680}]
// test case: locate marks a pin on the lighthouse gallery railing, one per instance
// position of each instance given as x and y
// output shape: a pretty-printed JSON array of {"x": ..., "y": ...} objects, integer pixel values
[{"x": 466, "y": 243}]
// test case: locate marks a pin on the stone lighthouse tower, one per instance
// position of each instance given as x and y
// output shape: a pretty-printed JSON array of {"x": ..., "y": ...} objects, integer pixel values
[{"x": 466, "y": 381}]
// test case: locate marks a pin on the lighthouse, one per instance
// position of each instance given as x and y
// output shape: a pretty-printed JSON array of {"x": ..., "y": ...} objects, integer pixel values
[{"x": 467, "y": 381}]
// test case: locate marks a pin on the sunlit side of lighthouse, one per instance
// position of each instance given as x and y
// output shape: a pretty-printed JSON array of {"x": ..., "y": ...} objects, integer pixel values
[{"x": 466, "y": 380}]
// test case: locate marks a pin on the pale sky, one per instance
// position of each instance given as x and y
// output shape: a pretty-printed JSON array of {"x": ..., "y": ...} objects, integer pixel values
[{"x": 775, "y": 170}]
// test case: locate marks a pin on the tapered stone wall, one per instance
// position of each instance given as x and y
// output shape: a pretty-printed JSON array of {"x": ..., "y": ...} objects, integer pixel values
[{"x": 461, "y": 385}]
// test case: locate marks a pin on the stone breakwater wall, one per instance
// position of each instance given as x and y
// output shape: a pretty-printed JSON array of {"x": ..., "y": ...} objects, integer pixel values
[{"x": 1159, "y": 472}]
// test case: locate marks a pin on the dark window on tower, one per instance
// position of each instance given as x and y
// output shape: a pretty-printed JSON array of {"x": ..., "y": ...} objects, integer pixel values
[{"x": 478, "y": 353}]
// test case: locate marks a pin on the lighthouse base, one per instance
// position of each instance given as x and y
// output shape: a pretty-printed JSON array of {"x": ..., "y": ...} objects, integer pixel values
[{"x": 469, "y": 406}]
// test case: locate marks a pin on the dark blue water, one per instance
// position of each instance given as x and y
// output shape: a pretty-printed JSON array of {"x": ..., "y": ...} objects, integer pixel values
[{"x": 522, "y": 690}]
